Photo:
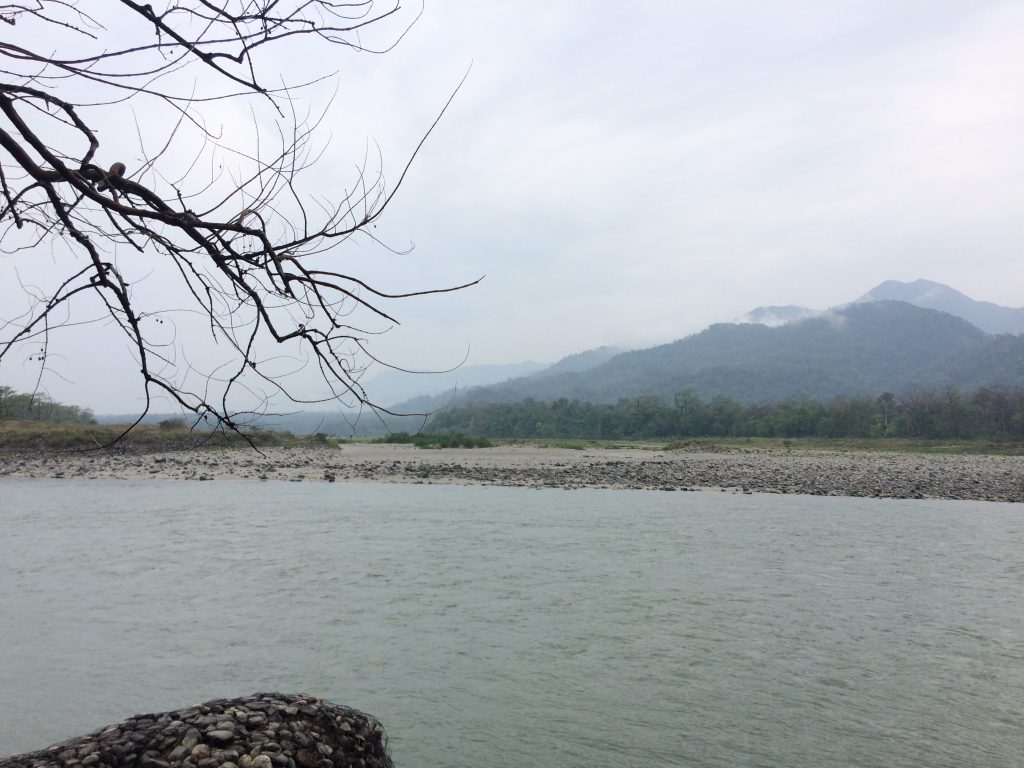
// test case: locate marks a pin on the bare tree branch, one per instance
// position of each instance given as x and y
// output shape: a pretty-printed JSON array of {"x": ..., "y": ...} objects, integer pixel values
[{"x": 255, "y": 253}]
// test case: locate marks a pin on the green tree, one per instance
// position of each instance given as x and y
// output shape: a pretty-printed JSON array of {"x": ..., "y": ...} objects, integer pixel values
[{"x": 691, "y": 412}]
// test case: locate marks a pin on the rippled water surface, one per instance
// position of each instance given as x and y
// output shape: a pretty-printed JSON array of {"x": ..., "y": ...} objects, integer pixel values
[{"x": 493, "y": 627}]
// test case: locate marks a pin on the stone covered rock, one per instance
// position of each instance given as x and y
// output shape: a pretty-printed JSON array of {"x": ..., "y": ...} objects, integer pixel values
[{"x": 265, "y": 730}]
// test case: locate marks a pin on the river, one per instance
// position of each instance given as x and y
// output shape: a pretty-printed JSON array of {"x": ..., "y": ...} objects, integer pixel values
[{"x": 496, "y": 627}]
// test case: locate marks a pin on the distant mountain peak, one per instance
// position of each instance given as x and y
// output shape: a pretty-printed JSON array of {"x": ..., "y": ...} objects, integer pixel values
[
  {"x": 926, "y": 294},
  {"x": 989, "y": 317},
  {"x": 920, "y": 292}
]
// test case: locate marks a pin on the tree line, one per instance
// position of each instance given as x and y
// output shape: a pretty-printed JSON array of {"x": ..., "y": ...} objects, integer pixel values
[
  {"x": 986, "y": 413},
  {"x": 21, "y": 406}
]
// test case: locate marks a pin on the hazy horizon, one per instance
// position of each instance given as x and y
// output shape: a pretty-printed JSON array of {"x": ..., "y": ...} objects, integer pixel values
[{"x": 390, "y": 387}]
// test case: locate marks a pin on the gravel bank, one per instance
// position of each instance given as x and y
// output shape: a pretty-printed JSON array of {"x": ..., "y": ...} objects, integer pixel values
[
  {"x": 266, "y": 730},
  {"x": 827, "y": 473}
]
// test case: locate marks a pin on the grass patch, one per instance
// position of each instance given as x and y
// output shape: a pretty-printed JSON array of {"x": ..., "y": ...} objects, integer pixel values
[
  {"x": 67, "y": 436},
  {"x": 580, "y": 444},
  {"x": 983, "y": 447},
  {"x": 867, "y": 444},
  {"x": 43, "y": 436},
  {"x": 430, "y": 440}
]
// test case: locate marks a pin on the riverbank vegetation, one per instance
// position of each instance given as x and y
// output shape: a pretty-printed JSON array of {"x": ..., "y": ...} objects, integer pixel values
[
  {"x": 22, "y": 437},
  {"x": 24, "y": 406},
  {"x": 29, "y": 436},
  {"x": 994, "y": 414},
  {"x": 988, "y": 421}
]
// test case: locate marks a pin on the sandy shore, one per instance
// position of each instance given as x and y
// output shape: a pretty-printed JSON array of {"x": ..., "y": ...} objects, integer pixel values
[{"x": 830, "y": 473}]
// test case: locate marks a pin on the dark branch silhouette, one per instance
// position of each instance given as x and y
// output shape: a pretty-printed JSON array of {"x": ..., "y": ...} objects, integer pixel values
[{"x": 255, "y": 253}]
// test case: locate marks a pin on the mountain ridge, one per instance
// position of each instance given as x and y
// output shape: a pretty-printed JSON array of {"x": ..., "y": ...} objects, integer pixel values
[
  {"x": 990, "y": 317},
  {"x": 727, "y": 360},
  {"x": 860, "y": 348}
]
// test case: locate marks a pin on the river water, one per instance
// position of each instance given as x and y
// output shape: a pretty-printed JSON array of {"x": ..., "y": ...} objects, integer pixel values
[{"x": 493, "y": 627}]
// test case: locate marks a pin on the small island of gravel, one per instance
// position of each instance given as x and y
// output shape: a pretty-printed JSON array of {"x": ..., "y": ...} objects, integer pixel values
[{"x": 689, "y": 467}]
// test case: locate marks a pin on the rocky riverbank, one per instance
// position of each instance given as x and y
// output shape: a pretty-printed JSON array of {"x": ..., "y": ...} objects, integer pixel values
[
  {"x": 266, "y": 730},
  {"x": 818, "y": 472}
]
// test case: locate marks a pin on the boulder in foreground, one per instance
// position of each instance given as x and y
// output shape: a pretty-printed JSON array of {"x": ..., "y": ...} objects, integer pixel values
[{"x": 265, "y": 730}]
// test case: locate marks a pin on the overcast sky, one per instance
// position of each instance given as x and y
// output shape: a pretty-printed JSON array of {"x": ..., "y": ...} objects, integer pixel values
[{"x": 628, "y": 173}]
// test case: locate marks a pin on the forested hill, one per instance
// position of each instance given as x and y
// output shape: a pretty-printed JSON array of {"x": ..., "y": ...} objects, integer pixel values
[{"x": 865, "y": 348}]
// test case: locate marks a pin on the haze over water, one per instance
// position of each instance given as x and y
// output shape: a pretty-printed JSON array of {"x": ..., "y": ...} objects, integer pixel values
[{"x": 493, "y": 627}]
